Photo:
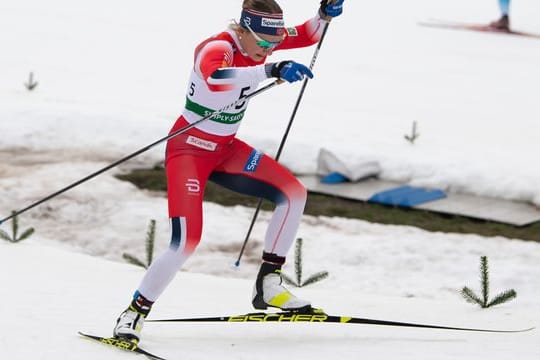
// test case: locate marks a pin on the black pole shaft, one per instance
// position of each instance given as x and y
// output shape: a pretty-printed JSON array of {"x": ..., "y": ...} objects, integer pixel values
[
  {"x": 284, "y": 139},
  {"x": 138, "y": 152}
]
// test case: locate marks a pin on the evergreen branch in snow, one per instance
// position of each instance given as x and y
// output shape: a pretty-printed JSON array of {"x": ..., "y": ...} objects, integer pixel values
[
  {"x": 503, "y": 297},
  {"x": 31, "y": 84},
  {"x": 150, "y": 239},
  {"x": 4, "y": 235},
  {"x": 414, "y": 134},
  {"x": 298, "y": 269},
  {"x": 484, "y": 279},
  {"x": 150, "y": 236},
  {"x": 25, "y": 235},
  {"x": 316, "y": 277},
  {"x": 288, "y": 280},
  {"x": 15, "y": 231},
  {"x": 298, "y": 261},
  {"x": 133, "y": 260},
  {"x": 483, "y": 301},
  {"x": 470, "y": 296}
]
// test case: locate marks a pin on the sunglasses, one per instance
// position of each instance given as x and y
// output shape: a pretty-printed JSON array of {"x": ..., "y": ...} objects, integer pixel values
[{"x": 265, "y": 44}]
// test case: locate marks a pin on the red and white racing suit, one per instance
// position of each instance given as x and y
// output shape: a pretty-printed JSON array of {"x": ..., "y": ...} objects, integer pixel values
[{"x": 222, "y": 74}]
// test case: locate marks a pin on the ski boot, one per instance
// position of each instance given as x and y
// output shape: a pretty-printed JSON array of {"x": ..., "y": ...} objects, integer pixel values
[
  {"x": 130, "y": 322},
  {"x": 269, "y": 292},
  {"x": 503, "y": 24}
]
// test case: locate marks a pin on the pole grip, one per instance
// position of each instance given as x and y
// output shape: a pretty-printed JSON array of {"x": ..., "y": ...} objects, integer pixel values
[{"x": 325, "y": 17}]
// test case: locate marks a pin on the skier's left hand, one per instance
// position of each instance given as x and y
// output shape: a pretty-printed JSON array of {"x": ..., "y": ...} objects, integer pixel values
[
  {"x": 331, "y": 9},
  {"x": 290, "y": 71}
]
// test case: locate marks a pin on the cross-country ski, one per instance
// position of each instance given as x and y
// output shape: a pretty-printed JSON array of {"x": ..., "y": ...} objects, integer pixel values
[
  {"x": 320, "y": 317},
  {"x": 485, "y": 28},
  {"x": 120, "y": 344}
]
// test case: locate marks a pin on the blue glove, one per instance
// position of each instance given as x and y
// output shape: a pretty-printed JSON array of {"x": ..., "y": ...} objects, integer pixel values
[
  {"x": 290, "y": 71},
  {"x": 331, "y": 9}
]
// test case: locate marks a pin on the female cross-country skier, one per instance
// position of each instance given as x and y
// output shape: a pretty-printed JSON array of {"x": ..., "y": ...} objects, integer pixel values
[{"x": 226, "y": 68}]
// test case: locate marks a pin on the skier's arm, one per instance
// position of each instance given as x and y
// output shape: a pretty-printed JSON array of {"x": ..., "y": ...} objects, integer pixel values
[
  {"x": 310, "y": 32},
  {"x": 303, "y": 35},
  {"x": 213, "y": 63}
]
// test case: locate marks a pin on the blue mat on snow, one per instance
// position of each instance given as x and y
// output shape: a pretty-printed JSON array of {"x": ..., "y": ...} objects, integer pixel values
[
  {"x": 334, "y": 178},
  {"x": 406, "y": 196}
]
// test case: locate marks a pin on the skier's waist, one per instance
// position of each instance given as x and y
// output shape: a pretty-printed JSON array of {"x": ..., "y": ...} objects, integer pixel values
[{"x": 197, "y": 135}]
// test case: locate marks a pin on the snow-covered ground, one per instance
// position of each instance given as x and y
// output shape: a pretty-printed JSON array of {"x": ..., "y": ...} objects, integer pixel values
[
  {"x": 112, "y": 76},
  {"x": 51, "y": 293}
]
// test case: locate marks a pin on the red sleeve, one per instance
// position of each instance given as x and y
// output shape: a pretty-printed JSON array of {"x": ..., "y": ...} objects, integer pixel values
[
  {"x": 214, "y": 64},
  {"x": 307, "y": 34},
  {"x": 212, "y": 55}
]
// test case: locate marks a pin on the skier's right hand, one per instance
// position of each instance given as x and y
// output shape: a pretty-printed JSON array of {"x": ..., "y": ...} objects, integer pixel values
[{"x": 290, "y": 71}]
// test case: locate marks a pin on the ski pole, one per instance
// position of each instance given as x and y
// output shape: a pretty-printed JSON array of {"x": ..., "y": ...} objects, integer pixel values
[
  {"x": 286, "y": 134},
  {"x": 142, "y": 150}
]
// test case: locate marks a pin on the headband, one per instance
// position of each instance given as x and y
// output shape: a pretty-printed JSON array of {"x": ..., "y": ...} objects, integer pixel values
[{"x": 261, "y": 22}]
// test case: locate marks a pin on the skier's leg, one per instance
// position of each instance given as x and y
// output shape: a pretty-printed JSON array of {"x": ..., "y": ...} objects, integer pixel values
[
  {"x": 186, "y": 178},
  {"x": 253, "y": 173},
  {"x": 504, "y": 6}
]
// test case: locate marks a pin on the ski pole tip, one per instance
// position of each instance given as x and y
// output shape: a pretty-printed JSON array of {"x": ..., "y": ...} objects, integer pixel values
[{"x": 236, "y": 264}]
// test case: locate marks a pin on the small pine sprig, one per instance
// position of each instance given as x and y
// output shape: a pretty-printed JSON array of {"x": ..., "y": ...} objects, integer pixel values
[
  {"x": 298, "y": 266},
  {"x": 298, "y": 269},
  {"x": 15, "y": 231},
  {"x": 471, "y": 297},
  {"x": 484, "y": 279},
  {"x": 31, "y": 84},
  {"x": 288, "y": 280},
  {"x": 150, "y": 238},
  {"x": 315, "y": 277},
  {"x": 503, "y": 297},
  {"x": 414, "y": 134}
]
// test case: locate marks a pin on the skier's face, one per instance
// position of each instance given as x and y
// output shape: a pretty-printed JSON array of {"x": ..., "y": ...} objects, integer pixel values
[{"x": 259, "y": 46}]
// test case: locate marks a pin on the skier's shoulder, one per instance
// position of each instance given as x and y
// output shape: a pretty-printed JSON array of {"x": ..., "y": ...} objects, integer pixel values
[{"x": 223, "y": 40}]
